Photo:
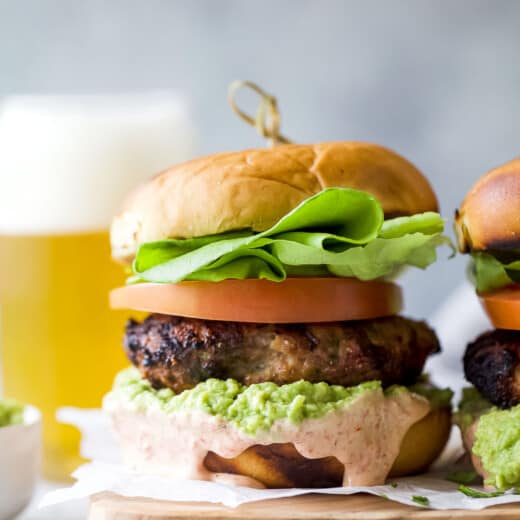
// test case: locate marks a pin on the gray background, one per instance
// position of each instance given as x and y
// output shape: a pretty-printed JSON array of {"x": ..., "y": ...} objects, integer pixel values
[{"x": 439, "y": 81}]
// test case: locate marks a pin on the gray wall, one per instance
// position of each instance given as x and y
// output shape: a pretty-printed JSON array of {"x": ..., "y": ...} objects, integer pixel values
[{"x": 439, "y": 81}]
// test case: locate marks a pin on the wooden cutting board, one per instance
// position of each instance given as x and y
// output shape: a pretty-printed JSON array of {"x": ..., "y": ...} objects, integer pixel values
[{"x": 107, "y": 506}]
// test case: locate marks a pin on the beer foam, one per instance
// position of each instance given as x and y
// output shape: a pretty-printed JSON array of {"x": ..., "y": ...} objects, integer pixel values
[{"x": 67, "y": 162}]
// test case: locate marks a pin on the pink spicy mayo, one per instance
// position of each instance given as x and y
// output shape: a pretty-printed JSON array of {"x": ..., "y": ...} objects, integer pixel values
[{"x": 365, "y": 436}]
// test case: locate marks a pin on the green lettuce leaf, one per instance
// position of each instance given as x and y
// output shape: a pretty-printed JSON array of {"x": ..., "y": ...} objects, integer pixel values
[
  {"x": 427, "y": 223},
  {"x": 337, "y": 232},
  {"x": 489, "y": 273}
]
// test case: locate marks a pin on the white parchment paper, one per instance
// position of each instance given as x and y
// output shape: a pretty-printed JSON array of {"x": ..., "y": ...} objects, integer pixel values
[
  {"x": 106, "y": 473},
  {"x": 99, "y": 476}
]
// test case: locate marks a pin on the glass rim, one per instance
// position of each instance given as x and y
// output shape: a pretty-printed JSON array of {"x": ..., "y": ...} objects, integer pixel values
[{"x": 96, "y": 103}]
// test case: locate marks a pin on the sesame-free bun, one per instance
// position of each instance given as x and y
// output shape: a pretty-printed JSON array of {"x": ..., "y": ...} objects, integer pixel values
[
  {"x": 489, "y": 217},
  {"x": 253, "y": 189}
]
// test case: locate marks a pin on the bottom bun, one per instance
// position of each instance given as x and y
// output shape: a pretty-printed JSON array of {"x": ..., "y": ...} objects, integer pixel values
[
  {"x": 279, "y": 466},
  {"x": 423, "y": 443},
  {"x": 282, "y": 466}
]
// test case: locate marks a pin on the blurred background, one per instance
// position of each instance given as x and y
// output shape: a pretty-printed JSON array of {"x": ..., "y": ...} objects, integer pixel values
[{"x": 436, "y": 81}]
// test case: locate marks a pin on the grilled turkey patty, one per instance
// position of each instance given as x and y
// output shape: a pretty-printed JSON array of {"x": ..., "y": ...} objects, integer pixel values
[
  {"x": 179, "y": 352},
  {"x": 492, "y": 365}
]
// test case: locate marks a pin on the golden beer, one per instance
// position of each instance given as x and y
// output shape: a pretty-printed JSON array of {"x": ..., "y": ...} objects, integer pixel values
[
  {"x": 60, "y": 341},
  {"x": 66, "y": 163}
]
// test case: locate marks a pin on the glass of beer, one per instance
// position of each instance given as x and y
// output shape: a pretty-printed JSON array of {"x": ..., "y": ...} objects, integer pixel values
[{"x": 66, "y": 163}]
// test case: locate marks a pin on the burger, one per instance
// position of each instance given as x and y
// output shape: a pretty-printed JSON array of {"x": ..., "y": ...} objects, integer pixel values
[
  {"x": 488, "y": 227},
  {"x": 274, "y": 354}
]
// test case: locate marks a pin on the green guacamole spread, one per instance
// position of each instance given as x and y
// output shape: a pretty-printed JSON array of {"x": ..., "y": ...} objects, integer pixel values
[
  {"x": 497, "y": 443},
  {"x": 250, "y": 408},
  {"x": 438, "y": 397},
  {"x": 471, "y": 407},
  {"x": 11, "y": 412}
]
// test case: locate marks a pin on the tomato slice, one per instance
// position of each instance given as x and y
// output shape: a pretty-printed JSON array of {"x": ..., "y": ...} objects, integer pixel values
[
  {"x": 296, "y": 300},
  {"x": 503, "y": 307}
]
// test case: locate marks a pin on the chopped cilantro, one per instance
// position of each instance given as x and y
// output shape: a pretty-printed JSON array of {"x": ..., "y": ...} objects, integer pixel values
[
  {"x": 475, "y": 493},
  {"x": 462, "y": 477},
  {"x": 422, "y": 501}
]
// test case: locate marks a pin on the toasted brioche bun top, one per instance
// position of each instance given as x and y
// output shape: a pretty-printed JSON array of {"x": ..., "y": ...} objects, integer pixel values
[
  {"x": 489, "y": 217},
  {"x": 253, "y": 189}
]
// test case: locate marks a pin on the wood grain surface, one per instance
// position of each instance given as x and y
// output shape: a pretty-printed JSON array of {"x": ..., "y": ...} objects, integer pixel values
[{"x": 107, "y": 506}]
